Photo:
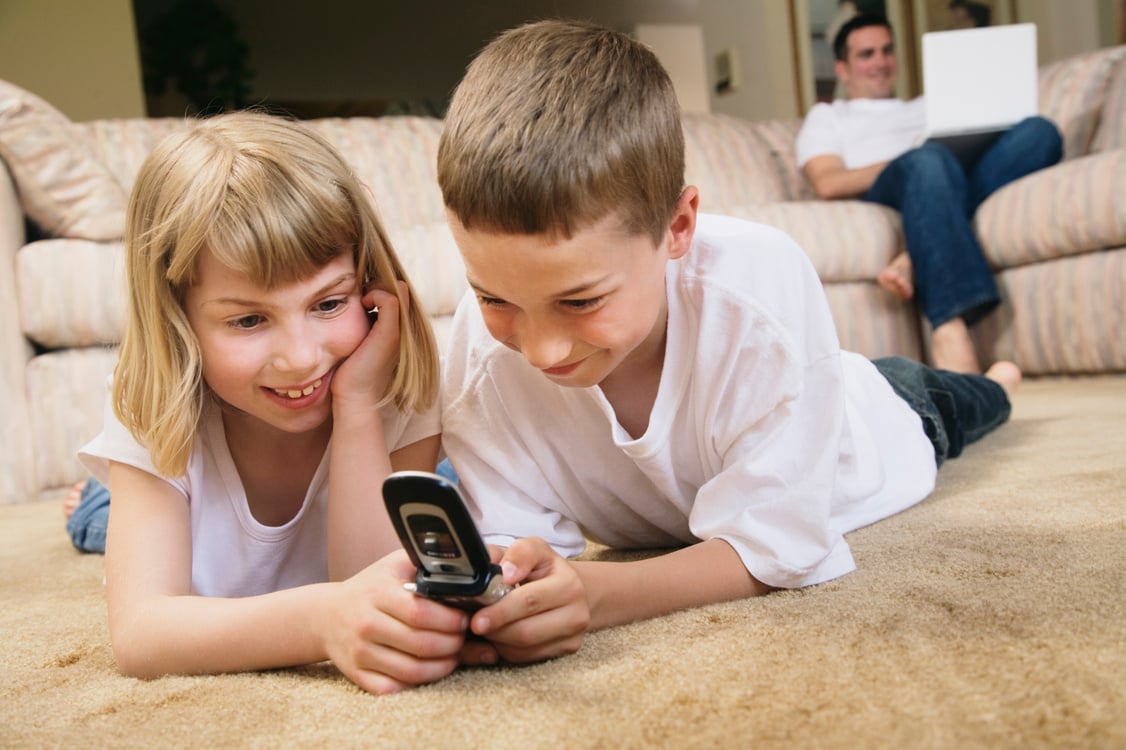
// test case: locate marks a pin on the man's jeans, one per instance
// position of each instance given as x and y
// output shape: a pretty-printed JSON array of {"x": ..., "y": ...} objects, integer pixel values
[
  {"x": 937, "y": 199},
  {"x": 956, "y": 408}
]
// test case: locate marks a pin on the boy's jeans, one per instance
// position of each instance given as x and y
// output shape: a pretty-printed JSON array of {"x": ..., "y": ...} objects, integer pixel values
[{"x": 956, "y": 409}]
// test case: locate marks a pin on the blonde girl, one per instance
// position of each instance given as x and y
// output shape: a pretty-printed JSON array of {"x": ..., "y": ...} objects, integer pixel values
[{"x": 254, "y": 412}]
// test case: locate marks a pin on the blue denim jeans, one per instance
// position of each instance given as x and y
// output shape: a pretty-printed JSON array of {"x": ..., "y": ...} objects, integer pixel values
[
  {"x": 87, "y": 524},
  {"x": 956, "y": 408},
  {"x": 937, "y": 198}
]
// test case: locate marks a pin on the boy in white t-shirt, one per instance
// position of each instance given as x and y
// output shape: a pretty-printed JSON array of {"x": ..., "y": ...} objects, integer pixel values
[{"x": 626, "y": 370}]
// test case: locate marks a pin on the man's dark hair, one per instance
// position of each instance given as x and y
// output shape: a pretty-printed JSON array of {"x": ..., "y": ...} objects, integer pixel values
[
  {"x": 840, "y": 41},
  {"x": 979, "y": 13}
]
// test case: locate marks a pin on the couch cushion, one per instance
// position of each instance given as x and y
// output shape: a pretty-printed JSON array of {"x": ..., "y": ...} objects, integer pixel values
[
  {"x": 1063, "y": 316},
  {"x": 845, "y": 240},
  {"x": 121, "y": 145},
  {"x": 782, "y": 135},
  {"x": 1072, "y": 93},
  {"x": 1074, "y": 207},
  {"x": 396, "y": 157},
  {"x": 66, "y": 394},
  {"x": 731, "y": 163},
  {"x": 63, "y": 187},
  {"x": 71, "y": 292},
  {"x": 433, "y": 264},
  {"x": 1112, "y": 121}
]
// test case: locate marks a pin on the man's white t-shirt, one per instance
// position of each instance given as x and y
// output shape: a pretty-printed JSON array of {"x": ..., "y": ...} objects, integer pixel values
[
  {"x": 861, "y": 131},
  {"x": 763, "y": 432},
  {"x": 232, "y": 553}
]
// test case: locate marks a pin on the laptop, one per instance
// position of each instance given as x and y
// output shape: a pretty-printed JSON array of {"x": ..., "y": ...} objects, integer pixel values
[{"x": 977, "y": 84}]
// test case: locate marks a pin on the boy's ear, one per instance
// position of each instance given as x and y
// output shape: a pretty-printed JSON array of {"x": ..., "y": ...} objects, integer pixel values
[{"x": 683, "y": 225}]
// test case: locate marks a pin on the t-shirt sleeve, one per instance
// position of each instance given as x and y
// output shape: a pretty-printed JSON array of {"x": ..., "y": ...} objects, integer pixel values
[
  {"x": 818, "y": 135},
  {"x": 778, "y": 442},
  {"x": 116, "y": 443}
]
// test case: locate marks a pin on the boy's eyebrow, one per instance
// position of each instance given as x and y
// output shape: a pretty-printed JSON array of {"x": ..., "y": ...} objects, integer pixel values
[{"x": 573, "y": 291}]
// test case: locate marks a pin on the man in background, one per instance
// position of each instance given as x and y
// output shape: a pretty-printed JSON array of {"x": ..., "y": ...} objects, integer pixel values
[{"x": 870, "y": 147}]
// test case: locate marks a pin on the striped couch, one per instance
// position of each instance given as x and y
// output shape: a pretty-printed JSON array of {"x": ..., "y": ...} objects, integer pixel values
[{"x": 1057, "y": 239}]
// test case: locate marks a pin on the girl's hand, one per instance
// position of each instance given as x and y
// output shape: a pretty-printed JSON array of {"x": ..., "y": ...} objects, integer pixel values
[
  {"x": 384, "y": 638},
  {"x": 364, "y": 377},
  {"x": 545, "y": 617}
]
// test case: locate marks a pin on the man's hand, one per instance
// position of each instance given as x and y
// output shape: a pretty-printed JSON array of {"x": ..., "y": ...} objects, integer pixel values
[{"x": 831, "y": 179}]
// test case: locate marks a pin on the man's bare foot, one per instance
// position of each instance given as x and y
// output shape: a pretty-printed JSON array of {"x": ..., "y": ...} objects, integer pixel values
[
  {"x": 898, "y": 277},
  {"x": 952, "y": 349},
  {"x": 1006, "y": 373},
  {"x": 70, "y": 502}
]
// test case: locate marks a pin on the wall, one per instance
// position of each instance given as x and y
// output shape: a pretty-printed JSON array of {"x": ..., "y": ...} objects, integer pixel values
[
  {"x": 759, "y": 31},
  {"x": 79, "y": 56},
  {"x": 680, "y": 48}
]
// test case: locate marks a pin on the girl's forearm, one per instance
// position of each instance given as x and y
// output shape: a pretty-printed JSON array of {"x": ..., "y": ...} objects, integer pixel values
[{"x": 203, "y": 635}]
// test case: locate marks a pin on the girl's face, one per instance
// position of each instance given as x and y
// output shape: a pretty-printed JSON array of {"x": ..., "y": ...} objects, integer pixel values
[{"x": 271, "y": 354}]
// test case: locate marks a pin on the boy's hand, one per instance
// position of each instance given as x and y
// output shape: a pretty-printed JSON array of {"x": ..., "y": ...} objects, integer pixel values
[
  {"x": 545, "y": 617},
  {"x": 384, "y": 638}
]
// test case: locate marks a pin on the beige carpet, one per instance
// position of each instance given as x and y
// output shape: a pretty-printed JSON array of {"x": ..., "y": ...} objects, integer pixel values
[{"x": 993, "y": 615}]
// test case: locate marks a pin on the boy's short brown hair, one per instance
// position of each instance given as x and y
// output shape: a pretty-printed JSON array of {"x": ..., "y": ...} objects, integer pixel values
[{"x": 558, "y": 124}]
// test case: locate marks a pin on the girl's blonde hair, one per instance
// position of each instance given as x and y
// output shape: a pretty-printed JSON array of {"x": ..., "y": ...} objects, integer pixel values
[{"x": 269, "y": 199}]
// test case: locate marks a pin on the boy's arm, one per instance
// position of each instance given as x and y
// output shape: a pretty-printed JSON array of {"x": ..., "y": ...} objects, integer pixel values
[
  {"x": 831, "y": 179},
  {"x": 380, "y": 636},
  {"x": 559, "y": 600}
]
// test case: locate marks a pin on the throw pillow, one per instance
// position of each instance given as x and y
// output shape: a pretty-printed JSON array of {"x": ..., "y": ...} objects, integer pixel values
[{"x": 62, "y": 188}]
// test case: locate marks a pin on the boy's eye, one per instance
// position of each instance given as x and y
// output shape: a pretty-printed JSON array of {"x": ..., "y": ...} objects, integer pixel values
[
  {"x": 490, "y": 301},
  {"x": 582, "y": 304}
]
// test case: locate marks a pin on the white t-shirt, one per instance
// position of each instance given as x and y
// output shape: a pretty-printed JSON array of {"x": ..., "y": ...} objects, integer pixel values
[
  {"x": 233, "y": 554},
  {"x": 763, "y": 432},
  {"x": 861, "y": 131}
]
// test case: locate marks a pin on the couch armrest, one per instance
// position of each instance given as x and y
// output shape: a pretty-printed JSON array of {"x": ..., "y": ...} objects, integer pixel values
[
  {"x": 1072, "y": 208},
  {"x": 16, "y": 459}
]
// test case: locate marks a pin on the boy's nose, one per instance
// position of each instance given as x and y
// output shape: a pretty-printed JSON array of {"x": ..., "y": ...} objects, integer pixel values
[{"x": 543, "y": 346}]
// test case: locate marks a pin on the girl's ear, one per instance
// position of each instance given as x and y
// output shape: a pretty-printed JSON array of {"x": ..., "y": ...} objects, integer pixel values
[{"x": 683, "y": 224}]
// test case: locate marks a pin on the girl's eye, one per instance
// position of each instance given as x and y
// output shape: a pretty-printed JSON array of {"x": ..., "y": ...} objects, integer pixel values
[
  {"x": 246, "y": 322},
  {"x": 330, "y": 305}
]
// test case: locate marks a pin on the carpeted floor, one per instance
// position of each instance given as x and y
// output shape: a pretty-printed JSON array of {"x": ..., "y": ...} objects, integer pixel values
[{"x": 993, "y": 615}]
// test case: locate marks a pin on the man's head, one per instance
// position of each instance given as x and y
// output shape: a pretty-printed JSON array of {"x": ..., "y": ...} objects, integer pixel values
[
  {"x": 557, "y": 124},
  {"x": 866, "y": 62}
]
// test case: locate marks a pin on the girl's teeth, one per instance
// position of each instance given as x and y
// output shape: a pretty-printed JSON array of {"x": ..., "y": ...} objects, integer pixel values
[{"x": 299, "y": 393}]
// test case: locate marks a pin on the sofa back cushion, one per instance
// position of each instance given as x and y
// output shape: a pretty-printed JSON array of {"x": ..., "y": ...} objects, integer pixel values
[
  {"x": 731, "y": 163},
  {"x": 1112, "y": 122},
  {"x": 1072, "y": 92}
]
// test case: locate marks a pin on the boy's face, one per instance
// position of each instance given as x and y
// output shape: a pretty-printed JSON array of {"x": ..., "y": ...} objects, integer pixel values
[{"x": 578, "y": 309}]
